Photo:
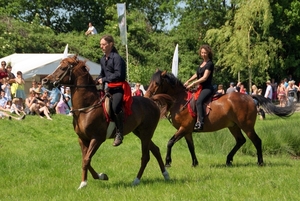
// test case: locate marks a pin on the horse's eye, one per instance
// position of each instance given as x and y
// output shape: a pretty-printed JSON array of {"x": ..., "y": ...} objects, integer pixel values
[{"x": 157, "y": 83}]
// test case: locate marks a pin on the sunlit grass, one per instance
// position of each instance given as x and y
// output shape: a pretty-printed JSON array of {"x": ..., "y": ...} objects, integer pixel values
[{"x": 41, "y": 160}]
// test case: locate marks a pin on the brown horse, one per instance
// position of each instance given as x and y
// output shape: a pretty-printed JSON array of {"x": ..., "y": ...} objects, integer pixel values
[
  {"x": 234, "y": 111},
  {"x": 90, "y": 120}
]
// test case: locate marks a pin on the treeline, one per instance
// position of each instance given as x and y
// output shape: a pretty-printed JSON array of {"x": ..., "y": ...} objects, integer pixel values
[{"x": 253, "y": 40}]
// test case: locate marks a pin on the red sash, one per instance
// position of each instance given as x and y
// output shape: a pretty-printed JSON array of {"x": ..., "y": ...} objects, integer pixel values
[
  {"x": 197, "y": 93},
  {"x": 127, "y": 98}
]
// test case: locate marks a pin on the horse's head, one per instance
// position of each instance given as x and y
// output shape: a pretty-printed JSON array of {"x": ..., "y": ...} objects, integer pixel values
[
  {"x": 162, "y": 83},
  {"x": 63, "y": 74}
]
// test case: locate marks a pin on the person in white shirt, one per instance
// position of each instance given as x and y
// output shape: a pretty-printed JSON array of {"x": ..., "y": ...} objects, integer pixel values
[
  {"x": 91, "y": 30},
  {"x": 269, "y": 92}
]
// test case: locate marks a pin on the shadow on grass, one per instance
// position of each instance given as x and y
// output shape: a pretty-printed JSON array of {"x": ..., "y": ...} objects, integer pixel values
[{"x": 237, "y": 165}]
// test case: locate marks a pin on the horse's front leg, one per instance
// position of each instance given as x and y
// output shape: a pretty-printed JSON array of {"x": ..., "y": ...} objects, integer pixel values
[
  {"x": 88, "y": 149},
  {"x": 170, "y": 144}
]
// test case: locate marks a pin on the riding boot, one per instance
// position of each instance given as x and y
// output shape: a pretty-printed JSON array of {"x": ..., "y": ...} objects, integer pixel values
[
  {"x": 119, "y": 133},
  {"x": 198, "y": 126}
]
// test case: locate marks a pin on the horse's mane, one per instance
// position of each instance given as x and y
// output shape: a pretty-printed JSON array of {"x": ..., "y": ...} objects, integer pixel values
[
  {"x": 170, "y": 77},
  {"x": 80, "y": 65}
]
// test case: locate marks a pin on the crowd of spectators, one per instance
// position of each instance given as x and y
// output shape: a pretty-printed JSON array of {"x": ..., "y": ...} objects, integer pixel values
[{"x": 40, "y": 102}]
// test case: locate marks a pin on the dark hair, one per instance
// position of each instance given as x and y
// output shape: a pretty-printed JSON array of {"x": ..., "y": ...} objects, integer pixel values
[
  {"x": 208, "y": 50},
  {"x": 19, "y": 73},
  {"x": 110, "y": 39}
]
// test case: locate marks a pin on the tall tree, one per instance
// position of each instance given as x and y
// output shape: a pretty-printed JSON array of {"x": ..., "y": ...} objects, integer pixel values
[
  {"x": 286, "y": 28},
  {"x": 245, "y": 45},
  {"x": 69, "y": 15}
]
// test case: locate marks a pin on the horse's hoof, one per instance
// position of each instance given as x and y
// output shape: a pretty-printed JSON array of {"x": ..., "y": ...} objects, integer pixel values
[
  {"x": 103, "y": 176},
  {"x": 228, "y": 164},
  {"x": 166, "y": 175},
  {"x": 82, "y": 185},
  {"x": 136, "y": 182},
  {"x": 260, "y": 164},
  {"x": 195, "y": 164}
]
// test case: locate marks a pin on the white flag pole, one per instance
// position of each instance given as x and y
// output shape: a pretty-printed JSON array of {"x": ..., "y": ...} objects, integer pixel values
[{"x": 175, "y": 62}]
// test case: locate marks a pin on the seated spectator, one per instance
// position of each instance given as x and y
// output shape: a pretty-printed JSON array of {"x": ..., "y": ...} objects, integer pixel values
[
  {"x": 17, "y": 107},
  {"x": 62, "y": 106},
  {"x": 91, "y": 30},
  {"x": 35, "y": 105},
  {"x": 55, "y": 95},
  {"x": 4, "y": 110},
  {"x": 46, "y": 98}
]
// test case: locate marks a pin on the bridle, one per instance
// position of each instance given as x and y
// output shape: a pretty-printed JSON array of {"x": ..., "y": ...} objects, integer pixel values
[
  {"x": 158, "y": 85},
  {"x": 56, "y": 83}
]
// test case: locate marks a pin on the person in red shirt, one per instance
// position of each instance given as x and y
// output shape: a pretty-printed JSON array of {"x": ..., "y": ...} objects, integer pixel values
[{"x": 137, "y": 91}]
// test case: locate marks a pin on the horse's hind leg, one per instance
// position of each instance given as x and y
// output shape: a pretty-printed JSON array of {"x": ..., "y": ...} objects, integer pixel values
[
  {"x": 258, "y": 145},
  {"x": 145, "y": 159},
  {"x": 190, "y": 142},
  {"x": 240, "y": 140},
  {"x": 156, "y": 152}
]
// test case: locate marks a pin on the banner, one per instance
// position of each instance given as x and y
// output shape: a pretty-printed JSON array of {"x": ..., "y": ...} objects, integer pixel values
[
  {"x": 121, "y": 8},
  {"x": 175, "y": 62}
]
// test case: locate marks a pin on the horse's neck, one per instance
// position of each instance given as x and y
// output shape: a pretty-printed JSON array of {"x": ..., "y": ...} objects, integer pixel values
[
  {"x": 84, "y": 93},
  {"x": 178, "y": 92}
]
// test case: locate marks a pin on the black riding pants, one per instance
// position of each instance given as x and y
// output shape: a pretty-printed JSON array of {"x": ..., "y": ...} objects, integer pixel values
[
  {"x": 203, "y": 97},
  {"x": 117, "y": 99}
]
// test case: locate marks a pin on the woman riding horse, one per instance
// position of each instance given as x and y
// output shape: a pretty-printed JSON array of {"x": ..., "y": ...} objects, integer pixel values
[
  {"x": 203, "y": 78},
  {"x": 235, "y": 111}
]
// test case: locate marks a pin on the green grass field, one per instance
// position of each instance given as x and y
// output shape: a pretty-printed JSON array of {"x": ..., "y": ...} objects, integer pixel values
[{"x": 41, "y": 160}]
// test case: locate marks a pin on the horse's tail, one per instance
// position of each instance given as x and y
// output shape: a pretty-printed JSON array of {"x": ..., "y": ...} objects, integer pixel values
[
  {"x": 164, "y": 102},
  {"x": 273, "y": 109}
]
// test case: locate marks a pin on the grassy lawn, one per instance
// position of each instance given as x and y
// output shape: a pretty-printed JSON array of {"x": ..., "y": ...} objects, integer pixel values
[{"x": 41, "y": 160}]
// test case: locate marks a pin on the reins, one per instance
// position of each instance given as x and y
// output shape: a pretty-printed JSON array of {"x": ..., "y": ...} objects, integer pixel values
[{"x": 92, "y": 106}]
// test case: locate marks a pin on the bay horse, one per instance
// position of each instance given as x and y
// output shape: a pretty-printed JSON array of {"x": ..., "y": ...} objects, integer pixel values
[
  {"x": 235, "y": 111},
  {"x": 90, "y": 120}
]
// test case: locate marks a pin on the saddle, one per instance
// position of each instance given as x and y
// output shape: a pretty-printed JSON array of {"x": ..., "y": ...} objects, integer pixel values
[{"x": 192, "y": 103}]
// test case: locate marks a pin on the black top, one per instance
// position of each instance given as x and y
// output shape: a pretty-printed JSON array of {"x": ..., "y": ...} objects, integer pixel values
[
  {"x": 200, "y": 72},
  {"x": 113, "y": 69}
]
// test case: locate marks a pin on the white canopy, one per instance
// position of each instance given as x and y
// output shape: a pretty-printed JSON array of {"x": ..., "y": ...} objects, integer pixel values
[{"x": 32, "y": 65}]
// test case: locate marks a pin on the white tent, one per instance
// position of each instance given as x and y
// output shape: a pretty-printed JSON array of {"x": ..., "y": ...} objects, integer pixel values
[{"x": 34, "y": 66}]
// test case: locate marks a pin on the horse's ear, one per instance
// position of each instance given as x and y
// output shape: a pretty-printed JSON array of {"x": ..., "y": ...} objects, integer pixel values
[
  {"x": 157, "y": 70},
  {"x": 164, "y": 73}
]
